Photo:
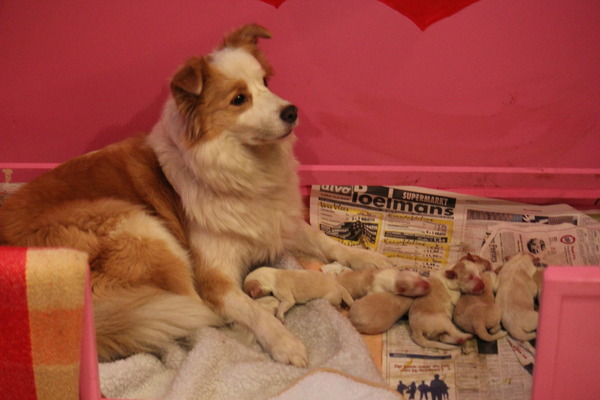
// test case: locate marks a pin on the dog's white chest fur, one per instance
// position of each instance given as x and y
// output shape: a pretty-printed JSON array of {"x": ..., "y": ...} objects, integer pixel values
[{"x": 244, "y": 194}]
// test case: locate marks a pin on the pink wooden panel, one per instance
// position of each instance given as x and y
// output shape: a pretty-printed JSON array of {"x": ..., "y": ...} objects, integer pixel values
[
  {"x": 497, "y": 84},
  {"x": 567, "y": 348}
]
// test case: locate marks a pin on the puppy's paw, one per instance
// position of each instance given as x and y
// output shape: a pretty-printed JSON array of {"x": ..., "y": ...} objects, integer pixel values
[
  {"x": 464, "y": 338},
  {"x": 365, "y": 259},
  {"x": 334, "y": 269},
  {"x": 289, "y": 350}
]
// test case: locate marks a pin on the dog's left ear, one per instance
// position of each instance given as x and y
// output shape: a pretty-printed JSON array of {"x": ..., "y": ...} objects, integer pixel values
[
  {"x": 487, "y": 266},
  {"x": 451, "y": 274},
  {"x": 247, "y": 35},
  {"x": 186, "y": 87},
  {"x": 188, "y": 80}
]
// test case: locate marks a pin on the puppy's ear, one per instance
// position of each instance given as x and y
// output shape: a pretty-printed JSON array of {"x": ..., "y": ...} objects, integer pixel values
[
  {"x": 487, "y": 266},
  {"x": 451, "y": 274},
  {"x": 247, "y": 35},
  {"x": 253, "y": 289}
]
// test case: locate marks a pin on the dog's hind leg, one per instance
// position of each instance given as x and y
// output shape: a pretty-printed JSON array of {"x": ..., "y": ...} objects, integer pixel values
[
  {"x": 453, "y": 336},
  {"x": 525, "y": 328},
  {"x": 139, "y": 250},
  {"x": 419, "y": 338},
  {"x": 489, "y": 336}
]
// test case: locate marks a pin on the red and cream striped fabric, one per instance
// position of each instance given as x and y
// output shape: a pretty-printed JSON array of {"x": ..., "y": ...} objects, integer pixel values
[{"x": 41, "y": 306}]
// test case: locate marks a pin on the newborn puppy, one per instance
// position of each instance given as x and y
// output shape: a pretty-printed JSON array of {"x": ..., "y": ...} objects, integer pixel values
[
  {"x": 376, "y": 313},
  {"x": 430, "y": 316},
  {"x": 295, "y": 287},
  {"x": 516, "y": 294},
  {"x": 478, "y": 313},
  {"x": 391, "y": 280}
]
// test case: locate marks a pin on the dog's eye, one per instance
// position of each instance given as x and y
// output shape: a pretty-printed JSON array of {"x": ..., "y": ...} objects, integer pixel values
[{"x": 239, "y": 100}]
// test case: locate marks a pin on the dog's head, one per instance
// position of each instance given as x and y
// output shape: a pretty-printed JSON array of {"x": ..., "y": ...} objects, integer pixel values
[
  {"x": 226, "y": 93},
  {"x": 466, "y": 274}
]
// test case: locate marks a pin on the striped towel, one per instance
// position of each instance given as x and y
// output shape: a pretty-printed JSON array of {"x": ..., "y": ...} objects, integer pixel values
[{"x": 41, "y": 305}]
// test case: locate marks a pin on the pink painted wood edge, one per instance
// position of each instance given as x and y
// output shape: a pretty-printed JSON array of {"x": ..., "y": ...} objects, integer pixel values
[{"x": 579, "y": 187}]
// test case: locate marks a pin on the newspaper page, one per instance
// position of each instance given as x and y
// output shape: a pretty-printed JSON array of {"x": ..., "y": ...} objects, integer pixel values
[{"x": 424, "y": 230}]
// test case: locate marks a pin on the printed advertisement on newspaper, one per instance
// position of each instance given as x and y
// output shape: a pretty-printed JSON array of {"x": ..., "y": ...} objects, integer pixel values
[{"x": 424, "y": 230}]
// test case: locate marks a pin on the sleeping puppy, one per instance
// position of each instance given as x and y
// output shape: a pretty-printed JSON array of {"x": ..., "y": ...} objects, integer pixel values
[
  {"x": 516, "y": 294},
  {"x": 430, "y": 316},
  {"x": 391, "y": 280},
  {"x": 295, "y": 287},
  {"x": 478, "y": 313},
  {"x": 172, "y": 221},
  {"x": 376, "y": 313}
]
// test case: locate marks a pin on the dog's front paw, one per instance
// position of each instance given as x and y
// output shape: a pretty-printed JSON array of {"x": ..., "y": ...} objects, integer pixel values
[
  {"x": 365, "y": 259},
  {"x": 289, "y": 350}
]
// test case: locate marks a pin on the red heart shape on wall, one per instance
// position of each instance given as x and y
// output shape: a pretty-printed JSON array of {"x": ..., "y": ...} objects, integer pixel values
[
  {"x": 422, "y": 12},
  {"x": 274, "y": 3},
  {"x": 426, "y": 12}
]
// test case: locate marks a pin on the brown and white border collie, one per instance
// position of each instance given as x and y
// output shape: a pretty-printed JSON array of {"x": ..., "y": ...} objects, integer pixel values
[{"x": 173, "y": 221}]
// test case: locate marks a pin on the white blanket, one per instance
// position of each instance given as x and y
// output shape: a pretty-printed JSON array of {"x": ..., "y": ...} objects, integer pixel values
[{"x": 221, "y": 367}]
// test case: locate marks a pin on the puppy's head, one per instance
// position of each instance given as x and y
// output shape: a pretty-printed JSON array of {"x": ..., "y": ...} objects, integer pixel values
[
  {"x": 226, "y": 93},
  {"x": 254, "y": 289},
  {"x": 466, "y": 275},
  {"x": 409, "y": 283}
]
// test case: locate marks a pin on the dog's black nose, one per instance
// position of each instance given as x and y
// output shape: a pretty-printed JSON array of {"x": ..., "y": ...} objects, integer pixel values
[{"x": 289, "y": 114}]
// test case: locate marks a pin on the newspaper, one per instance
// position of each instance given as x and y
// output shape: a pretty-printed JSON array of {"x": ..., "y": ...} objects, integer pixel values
[{"x": 424, "y": 230}]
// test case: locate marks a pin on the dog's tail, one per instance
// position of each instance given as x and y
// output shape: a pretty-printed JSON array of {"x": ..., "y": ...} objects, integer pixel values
[
  {"x": 421, "y": 340},
  {"x": 146, "y": 319},
  {"x": 482, "y": 332},
  {"x": 522, "y": 326},
  {"x": 521, "y": 334}
]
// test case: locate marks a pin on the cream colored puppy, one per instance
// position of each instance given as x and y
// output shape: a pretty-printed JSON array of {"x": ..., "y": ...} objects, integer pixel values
[
  {"x": 430, "y": 316},
  {"x": 391, "y": 280},
  {"x": 478, "y": 313},
  {"x": 295, "y": 287},
  {"x": 376, "y": 313},
  {"x": 516, "y": 293}
]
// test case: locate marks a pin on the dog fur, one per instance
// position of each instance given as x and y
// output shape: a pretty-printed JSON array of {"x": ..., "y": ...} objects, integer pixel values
[
  {"x": 478, "y": 313},
  {"x": 516, "y": 294},
  {"x": 376, "y": 313},
  {"x": 173, "y": 221},
  {"x": 430, "y": 316},
  {"x": 292, "y": 287},
  {"x": 391, "y": 280}
]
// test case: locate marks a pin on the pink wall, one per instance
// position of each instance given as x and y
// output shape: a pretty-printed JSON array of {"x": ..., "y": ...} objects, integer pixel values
[{"x": 494, "y": 85}]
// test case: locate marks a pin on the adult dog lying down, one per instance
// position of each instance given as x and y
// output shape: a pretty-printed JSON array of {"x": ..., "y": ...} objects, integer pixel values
[{"x": 173, "y": 221}]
